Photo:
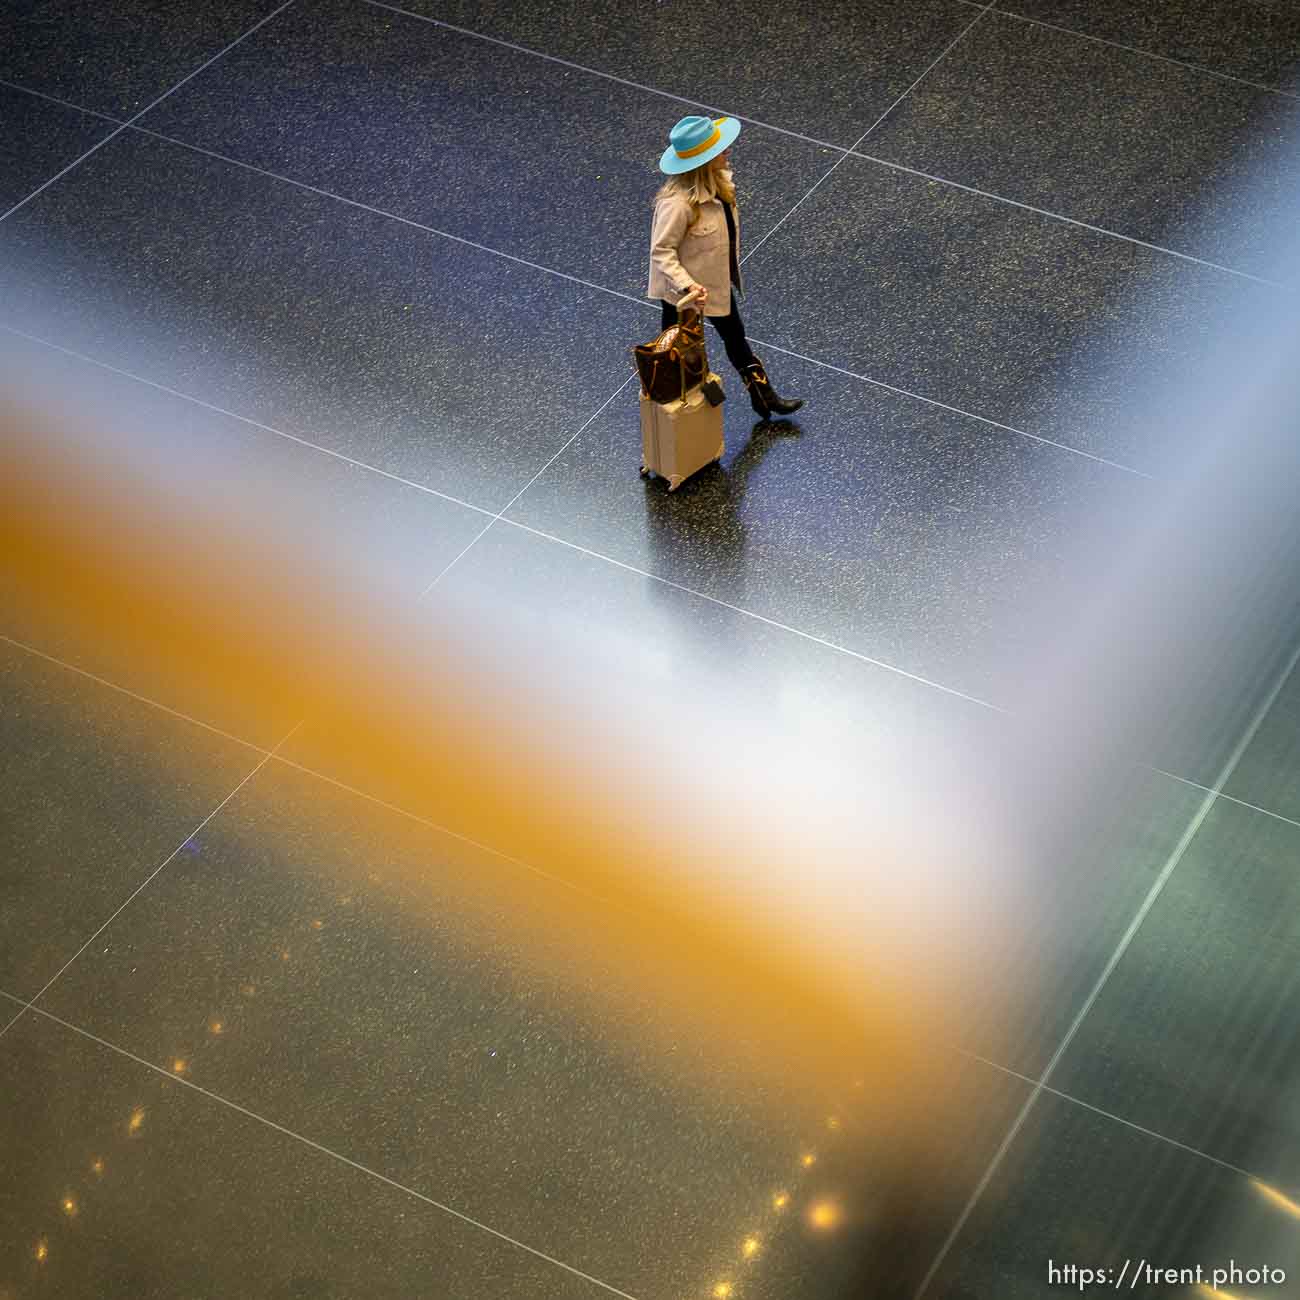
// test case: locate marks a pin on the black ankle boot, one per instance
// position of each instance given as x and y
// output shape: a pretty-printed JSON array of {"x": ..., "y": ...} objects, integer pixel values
[{"x": 763, "y": 397}]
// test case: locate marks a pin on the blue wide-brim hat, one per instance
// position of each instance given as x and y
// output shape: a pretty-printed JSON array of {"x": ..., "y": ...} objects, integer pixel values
[{"x": 695, "y": 141}]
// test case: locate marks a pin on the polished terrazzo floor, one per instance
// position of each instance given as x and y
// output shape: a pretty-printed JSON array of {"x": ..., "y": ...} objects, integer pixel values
[{"x": 324, "y": 243}]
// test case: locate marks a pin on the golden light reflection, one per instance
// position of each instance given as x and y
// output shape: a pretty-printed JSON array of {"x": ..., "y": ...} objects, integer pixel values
[
  {"x": 69, "y": 1206},
  {"x": 97, "y": 1166},
  {"x": 1213, "y": 1293},
  {"x": 1274, "y": 1197},
  {"x": 833, "y": 1123},
  {"x": 808, "y": 1160},
  {"x": 248, "y": 990},
  {"x": 486, "y": 767},
  {"x": 723, "y": 1290},
  {"x": 216, "y": 1027},
  {"x": 180, "y": 1066},
  {"x": 42, "y": 1251},
  {"x": 824, "y": 1215},
  {"x": 136, "y": 1122},
  {"x": 750, "y": 1247},
  {"x": 318, "y": 924},
  {"x": 780, "y": 1201}
]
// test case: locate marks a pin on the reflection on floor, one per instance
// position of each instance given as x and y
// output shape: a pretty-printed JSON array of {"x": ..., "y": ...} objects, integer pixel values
[{"x": 437, "y": 862}]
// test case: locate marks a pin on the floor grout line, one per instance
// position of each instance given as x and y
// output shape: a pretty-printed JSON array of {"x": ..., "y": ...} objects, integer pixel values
[
  {"x": 640, "y": 302},
  {"x": 499, "y": 515},
  {"x": 342, "y": 785},
  {"x": 130, "y": 694},
  {"x": 1213, "y": 793},
  {"x": 144, "y": 884},
  {"x": 437, "y": 827},
  {"x": 606, "y": 76},
  {"x": 1136, "y": 49},
  {"x": 479, "y": 844},
  {"x": 266, "y": 759},
  {"x": 65, "y": 103},
  {"x": 826, "y": 144},
  {"x": 1071, "y": 221},
  {"x": 823, "y": 144},
  {"x": 314, "y": 773},
  {"x": 851, "y": 150},
  {"x": 1228, "y": 798},
  {"x": 469, "y": 505},
  {"x": 518, "y": 495},
  {"x": 554, "y": 457},
  {"x": 952, "y": 45},
  {"x": 354, "y": 790},
  {"x": 383, "y": 212},
  {"x": 1126, "y": 940},
  {"x": 576, "y": 546},
  {"x": 112, "y": 135},
  {"x": 322, "y": 1149},
  {"x": 30, "y": 1006},
  {"x": 306, "y": 443},
  {"x": 299, "y": 767},
  {"x": 1066, "y": 1097},
  {"x": 629, "y": 378},
  {"x": 1040, "y": 1085},
  {"x": 956, "y": 410},
  {"x": 1108, "y": 1114},
  {"x": 438, "y": 577},
  {"x": 760, "y": 618}
]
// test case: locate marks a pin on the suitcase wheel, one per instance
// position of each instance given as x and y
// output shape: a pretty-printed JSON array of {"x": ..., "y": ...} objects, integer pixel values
[
  {"x": 675, "y": 482},
  {"x": 645, "y": 469}
]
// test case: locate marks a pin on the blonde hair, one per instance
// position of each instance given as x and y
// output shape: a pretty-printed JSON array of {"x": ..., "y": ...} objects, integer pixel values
[{"x": 700, "y": 185}]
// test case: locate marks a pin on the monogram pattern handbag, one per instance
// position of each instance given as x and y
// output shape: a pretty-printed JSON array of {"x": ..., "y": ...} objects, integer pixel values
[{"x": 675, "y": 362}]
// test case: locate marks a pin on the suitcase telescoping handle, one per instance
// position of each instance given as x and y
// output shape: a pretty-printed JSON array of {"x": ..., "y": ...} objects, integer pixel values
[{"x": 684, "y": 304}]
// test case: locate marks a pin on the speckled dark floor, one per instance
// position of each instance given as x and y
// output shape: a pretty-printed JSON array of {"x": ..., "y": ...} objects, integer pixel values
[
  {"x": 375, "y": 269},
  {"x": 1153, "y": 150}
]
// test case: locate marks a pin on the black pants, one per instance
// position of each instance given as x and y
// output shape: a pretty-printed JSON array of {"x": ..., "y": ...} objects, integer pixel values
[{"x": 731, "y": 328}]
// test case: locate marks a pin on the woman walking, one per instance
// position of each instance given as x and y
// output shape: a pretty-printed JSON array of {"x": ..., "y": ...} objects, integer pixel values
[{"x": 695, "y": 246}]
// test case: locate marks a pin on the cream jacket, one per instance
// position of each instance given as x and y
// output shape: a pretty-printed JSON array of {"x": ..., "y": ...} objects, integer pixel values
[{"x": 682, "y": 254}]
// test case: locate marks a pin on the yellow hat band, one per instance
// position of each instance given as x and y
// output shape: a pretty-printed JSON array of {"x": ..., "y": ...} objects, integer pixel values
[{"x": 708, "y": 144}]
